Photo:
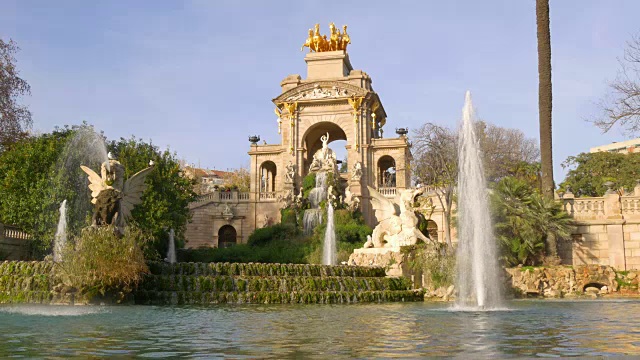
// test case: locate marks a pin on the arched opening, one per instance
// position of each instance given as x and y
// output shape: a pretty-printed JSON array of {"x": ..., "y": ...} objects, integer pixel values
[
  {"x": 268, "y": 172},
  {"x": 432, "y": 229},
  {"x": 311, "y": 140},
  {"x": 227, "y": 236},
  {"x": 386, "y": 172}
]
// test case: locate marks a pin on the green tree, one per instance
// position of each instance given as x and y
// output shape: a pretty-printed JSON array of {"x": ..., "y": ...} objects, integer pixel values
[
  {"x": 27, "y": 197},
  {"x": 165, "y": 201},
  {"x": 506, "y": 152},
  {"x": 524, "y": 219},
  {"x": 589, "y": 171},
  {"x": 38, "y": 173},
  {"x": 15, "y": 119}
]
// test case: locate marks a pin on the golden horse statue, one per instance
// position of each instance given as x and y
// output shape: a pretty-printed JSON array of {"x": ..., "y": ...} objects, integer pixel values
[
  {"x": 344, "y": 39},
  {"x": 309, "y": 42},
  {"x": 335, "y": 38}
]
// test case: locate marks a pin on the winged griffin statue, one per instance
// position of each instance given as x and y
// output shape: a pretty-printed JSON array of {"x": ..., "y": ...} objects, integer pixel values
[
  {"x": 398, "y": 225},
  {"x": 112, "y": 197}
]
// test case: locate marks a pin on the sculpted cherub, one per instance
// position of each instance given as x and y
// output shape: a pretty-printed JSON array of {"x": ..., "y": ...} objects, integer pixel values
[
  {"x": 112, "y": 196},
  {"x": 398, "y": 225}
]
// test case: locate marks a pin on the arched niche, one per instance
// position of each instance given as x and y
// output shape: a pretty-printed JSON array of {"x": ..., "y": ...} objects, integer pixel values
[
  {"x": 227, "y": 236},
  {"x": 386, "y": 172},
  {"x": 268, "y": 173}
]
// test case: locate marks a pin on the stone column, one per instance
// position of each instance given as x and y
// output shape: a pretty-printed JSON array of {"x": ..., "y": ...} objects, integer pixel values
[{"x": 615, "y": 235}]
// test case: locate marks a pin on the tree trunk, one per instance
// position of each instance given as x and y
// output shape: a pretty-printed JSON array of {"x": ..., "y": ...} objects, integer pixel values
[{"x": 545, "y": 106}]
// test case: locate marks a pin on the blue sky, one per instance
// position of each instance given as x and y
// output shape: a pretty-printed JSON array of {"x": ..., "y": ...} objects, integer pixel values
[{"x": 198, "y": 76}]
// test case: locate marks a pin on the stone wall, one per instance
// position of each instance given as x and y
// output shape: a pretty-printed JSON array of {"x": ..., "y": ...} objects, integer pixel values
[
  {"x": 607, "y": 230},
  {"x": 14, "y": 243},
  {"x": 211, "y": 213},
  {"x": 566, "y": 281}
]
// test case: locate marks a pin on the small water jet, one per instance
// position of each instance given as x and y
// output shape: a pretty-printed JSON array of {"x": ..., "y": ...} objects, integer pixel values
[
  {"x": 171, "y": 252},
  {"x": 60, "y": 239},
  {"x": 329, "y": 256},
  {"x": 478, "y": 279}
]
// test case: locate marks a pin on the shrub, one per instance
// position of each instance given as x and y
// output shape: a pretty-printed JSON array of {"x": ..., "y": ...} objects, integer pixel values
[
  {"x": 436, "y": 261},
  {"x": 283, "y": 252},
  {"x": 288, "y": 216},
  {"x": 278, "y": 232},
  {"x": 102, "y": 263}
]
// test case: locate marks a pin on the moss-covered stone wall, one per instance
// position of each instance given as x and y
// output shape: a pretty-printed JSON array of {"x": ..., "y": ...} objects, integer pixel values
[{"x": 214, "y": 283}]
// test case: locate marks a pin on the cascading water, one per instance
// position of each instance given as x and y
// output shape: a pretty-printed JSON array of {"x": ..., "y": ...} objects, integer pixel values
[
  {"x": 171, "y": 252},
  {"x": 313, "y": 216},
  {"x": 329, "y": 248},
  {"x": 60, "y": 239},
  {"x": 478, "y": 279}
]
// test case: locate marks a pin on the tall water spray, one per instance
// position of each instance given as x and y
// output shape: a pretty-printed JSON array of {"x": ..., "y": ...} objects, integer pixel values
[
  {"x": 60, "y": 239},
  {"x": 329, "y": 256},
  {"x": 85, "y": 147},
  {"x": 171, "y": 252},
  {"x": 477, "y": 259}
]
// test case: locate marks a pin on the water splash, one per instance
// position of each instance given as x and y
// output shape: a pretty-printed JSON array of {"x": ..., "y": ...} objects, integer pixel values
[
  {"x": 477, "y": 267},
  {"x": 329, "y": 247},
  {"x": 171, "y": 252},
  {"x": 60, "y": 239}
]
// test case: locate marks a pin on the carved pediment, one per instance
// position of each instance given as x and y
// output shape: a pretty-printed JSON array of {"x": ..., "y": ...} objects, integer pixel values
[{"x": 323, "y": 90}]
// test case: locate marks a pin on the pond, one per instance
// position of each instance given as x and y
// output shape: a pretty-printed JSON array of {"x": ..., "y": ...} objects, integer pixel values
[{"x": 526, "y": 328}]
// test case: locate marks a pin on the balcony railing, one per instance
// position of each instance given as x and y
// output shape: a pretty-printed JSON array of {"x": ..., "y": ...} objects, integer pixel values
[
  {"x": 387, "y": 191},
  {"x": 270, "y": 195}
]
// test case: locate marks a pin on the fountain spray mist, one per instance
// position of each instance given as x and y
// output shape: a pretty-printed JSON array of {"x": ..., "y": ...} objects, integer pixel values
[{"x": 478, "y": 278}]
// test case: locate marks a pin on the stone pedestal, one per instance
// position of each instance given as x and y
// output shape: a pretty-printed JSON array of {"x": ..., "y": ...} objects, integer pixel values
[
  {"x": 391, "y": 259},
  {"x": 327, "y": 64}
]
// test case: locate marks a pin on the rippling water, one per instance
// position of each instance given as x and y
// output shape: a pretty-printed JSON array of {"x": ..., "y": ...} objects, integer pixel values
[{"x": 527, "y": 328}]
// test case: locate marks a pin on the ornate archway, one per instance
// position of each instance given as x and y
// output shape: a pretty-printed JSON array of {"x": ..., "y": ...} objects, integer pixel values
[{"x": 312, "y": 142}]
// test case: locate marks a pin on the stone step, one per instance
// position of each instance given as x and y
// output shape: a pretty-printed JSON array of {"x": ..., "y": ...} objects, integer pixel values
[
  {"x": 273, "y": 297},
  {"x": 271, "y": 283},
  {"x": 263, "y": 269}
]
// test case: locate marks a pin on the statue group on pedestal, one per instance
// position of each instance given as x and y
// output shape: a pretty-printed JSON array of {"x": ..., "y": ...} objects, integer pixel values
[
  {"x": 398, "y": 226},
  {"x": 325, "y": 158},
  {"x": 319, "y": 43},
  {"x": 113, "y": 198}
]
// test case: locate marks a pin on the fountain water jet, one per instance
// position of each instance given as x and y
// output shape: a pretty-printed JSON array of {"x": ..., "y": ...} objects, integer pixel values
[
  {"x": 478, "y": 278},
  {"x": 171, "y": 252},
  {"x": 329, "y": 247},
  {"x": 60, "y": 239}
]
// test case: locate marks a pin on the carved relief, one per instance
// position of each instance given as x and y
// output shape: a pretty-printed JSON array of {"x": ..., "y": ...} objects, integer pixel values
[{"x": 319, "y": 93}]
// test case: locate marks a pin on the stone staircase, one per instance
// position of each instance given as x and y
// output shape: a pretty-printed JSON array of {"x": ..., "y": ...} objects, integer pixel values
[{"x": 253, "y": 283}]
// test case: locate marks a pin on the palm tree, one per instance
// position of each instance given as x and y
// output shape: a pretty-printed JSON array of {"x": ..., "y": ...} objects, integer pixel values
[
  {"x": 524, "y": 220},
  {"x": 545, "y": 107}
]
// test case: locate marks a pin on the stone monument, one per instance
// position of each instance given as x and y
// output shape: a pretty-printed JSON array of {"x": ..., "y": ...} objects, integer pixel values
[{"x": 113, "y": 198}]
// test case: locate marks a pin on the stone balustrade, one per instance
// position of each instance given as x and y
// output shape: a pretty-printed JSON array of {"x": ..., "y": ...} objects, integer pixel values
[
  {"x": 14, "y": 243},
  {"x": 387, "y": 191},
  {"x": 223, "y": 196}
]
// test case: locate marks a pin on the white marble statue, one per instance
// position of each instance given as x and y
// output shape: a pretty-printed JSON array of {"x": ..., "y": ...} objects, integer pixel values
[
  {"x": 324, "y": 159},
  {"x": 398, "y": 227}
]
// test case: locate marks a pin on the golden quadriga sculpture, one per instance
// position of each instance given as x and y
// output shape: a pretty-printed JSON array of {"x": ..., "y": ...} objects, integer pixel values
[{"x": 319, "y": 43}]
